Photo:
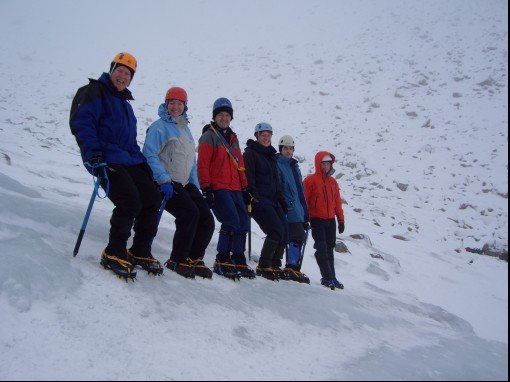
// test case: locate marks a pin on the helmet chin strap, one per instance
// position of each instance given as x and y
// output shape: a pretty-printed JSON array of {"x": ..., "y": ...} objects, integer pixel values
[{"x": 113, "y": 68}]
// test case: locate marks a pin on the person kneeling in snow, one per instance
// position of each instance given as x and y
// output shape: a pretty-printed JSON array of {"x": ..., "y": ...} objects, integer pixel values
[{"x": 324, "y": 203}]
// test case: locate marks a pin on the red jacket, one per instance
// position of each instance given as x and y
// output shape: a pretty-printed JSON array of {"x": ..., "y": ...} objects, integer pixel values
[
  {"x": 322, "y": 192},
  {"x": 217, "y": 169}
]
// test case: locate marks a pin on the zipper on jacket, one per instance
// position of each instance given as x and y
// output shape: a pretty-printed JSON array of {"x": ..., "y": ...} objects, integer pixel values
[{"x": 327, "y": 200}]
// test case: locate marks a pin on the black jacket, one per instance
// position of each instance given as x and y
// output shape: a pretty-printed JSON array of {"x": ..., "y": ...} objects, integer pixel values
[{"x": 262, "y": 174}]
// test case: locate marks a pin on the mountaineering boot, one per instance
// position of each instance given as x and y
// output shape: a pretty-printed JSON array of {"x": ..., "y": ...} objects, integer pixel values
[
  {"x": 245, "y": 271},
  {"x": 267, "y": 273},
  {"x": 328, "y": 283},
  {"x": 292, "y": 269},
  {"x": 277, "y": 263},
  {"x": 239, "y": 261},
  {"x": 185, "y": 268},
  {"x": 338, "y": 284},
  {"x": 279, "y": 273},
  {"x": 227, "y": 269},
  {"x": 265, "y": 267},
  {"x": 292, "y": 273},
  {"x": 201, "y": 269},
  {"x": 118, "y": 265},
  {"x": 149, "y": 263}
]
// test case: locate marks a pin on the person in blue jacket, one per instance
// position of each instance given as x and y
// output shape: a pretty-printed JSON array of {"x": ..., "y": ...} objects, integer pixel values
[
  {"x": 297, "y": 215},
  {"x": 104, "y": 125},
  {"x": 170, "y": 151}
]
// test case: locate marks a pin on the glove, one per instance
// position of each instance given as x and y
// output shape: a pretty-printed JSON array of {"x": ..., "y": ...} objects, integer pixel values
[
  {"x": 97, "y": 163},
  {"x": 247, "y": 196},
  {"x": 341, "y": 227},
  {"x": 208, "y": 195},
  {"x": 306, "y": 225},
  {"x": 167, "y": 189}
]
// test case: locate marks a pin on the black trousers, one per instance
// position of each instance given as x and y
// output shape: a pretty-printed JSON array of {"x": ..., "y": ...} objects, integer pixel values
[
  {"x": 296, "y": 233},
  {"x": 194, "y": 223},
  {"x": 324, "y": 236},
  {"x": 137, "y": 200},
  {"x": 272, "y": 221}
]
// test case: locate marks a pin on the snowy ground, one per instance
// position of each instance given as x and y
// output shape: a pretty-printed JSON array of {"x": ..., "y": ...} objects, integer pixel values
[{"x": 411, "y": 96}]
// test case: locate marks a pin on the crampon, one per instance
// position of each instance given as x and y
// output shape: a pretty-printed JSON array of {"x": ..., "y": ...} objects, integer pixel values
[{"x": 148, "y": 263}]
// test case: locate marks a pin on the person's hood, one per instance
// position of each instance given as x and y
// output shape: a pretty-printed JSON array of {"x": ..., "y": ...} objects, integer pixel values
[
  {"x": 318, "y": 159},
  {"x": 163, "y": 114}
]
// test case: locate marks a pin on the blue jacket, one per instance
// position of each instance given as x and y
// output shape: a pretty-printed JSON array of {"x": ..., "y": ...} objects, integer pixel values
[
  {"x": 165, "y": 149},
  {"x": 103, "y": 123},
  {"x": 292, "y": 188}
]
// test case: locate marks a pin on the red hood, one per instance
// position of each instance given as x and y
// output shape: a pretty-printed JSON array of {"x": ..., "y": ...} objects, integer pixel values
[{"x": 318, "y": 159}]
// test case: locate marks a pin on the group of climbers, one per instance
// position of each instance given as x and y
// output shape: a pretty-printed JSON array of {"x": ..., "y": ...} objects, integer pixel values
[{"x": 263, "y": 182}]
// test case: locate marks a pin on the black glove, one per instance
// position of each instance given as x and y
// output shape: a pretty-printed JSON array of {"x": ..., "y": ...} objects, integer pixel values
[
  {"x": 247, "y": 196},
  {"x": 178, "y": 187},
  {"x": 97, "y": 163},
  {"x": 208, "y": 195},
  {"x": 341, "y": 227}
]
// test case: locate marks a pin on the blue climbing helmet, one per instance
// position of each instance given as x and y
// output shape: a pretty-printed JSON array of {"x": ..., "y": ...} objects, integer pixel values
[
  {"x": 263, "y": 126},
  {"x": 223, "y": 104}
]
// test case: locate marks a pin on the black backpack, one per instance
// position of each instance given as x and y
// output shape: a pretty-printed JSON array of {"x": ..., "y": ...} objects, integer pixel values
[{"x": 77, "y": 100}]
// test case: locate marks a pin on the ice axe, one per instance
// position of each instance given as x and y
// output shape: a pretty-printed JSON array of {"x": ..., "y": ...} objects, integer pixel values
[
  {"x": 162, "y": 208},
  {"x": 89, "y": 209},
  {"x": 307, "y": 231}
]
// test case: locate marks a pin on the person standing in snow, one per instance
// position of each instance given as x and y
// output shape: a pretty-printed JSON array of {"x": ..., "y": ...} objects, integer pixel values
[
  {"x": 170, "y": 151},
  {"x": 269, "y": 206},
  {"x": 297, "y": 216},
  {"x": 104, "y": 125},
  {"x": 223, "y": 181},
  {"x": 324, "y": 203}
]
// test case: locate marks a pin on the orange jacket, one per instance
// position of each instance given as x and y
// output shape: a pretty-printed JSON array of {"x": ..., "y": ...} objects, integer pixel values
[
  {"x": 322, "y": 192},
  {"x": 216, "y": 167}
]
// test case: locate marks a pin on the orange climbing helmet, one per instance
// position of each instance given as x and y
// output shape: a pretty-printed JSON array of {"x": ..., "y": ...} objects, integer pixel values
[
  {"x": 125, "y": 59},
  {"x": 178, "y": 94}
]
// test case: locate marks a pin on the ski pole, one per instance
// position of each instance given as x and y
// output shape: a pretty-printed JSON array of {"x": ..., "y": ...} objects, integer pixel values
[{"x": 87, "y": 215}]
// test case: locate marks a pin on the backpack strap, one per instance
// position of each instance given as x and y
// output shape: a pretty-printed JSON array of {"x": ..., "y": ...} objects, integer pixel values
[{"x": 228, "y": 149}]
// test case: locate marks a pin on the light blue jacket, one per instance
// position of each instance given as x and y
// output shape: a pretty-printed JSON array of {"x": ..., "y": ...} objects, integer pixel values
[
  {"x": 170, "y": 154},
  {"x": 292, "y": 188}
]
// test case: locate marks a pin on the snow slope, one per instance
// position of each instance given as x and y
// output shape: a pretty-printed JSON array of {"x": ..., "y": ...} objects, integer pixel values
[{"x": 410, "y": 96}]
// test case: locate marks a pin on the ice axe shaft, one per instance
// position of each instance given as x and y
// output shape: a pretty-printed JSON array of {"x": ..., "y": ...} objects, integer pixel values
[
  {"x": 87, "y": 216},
  {"x": 307, "y": 231}
]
